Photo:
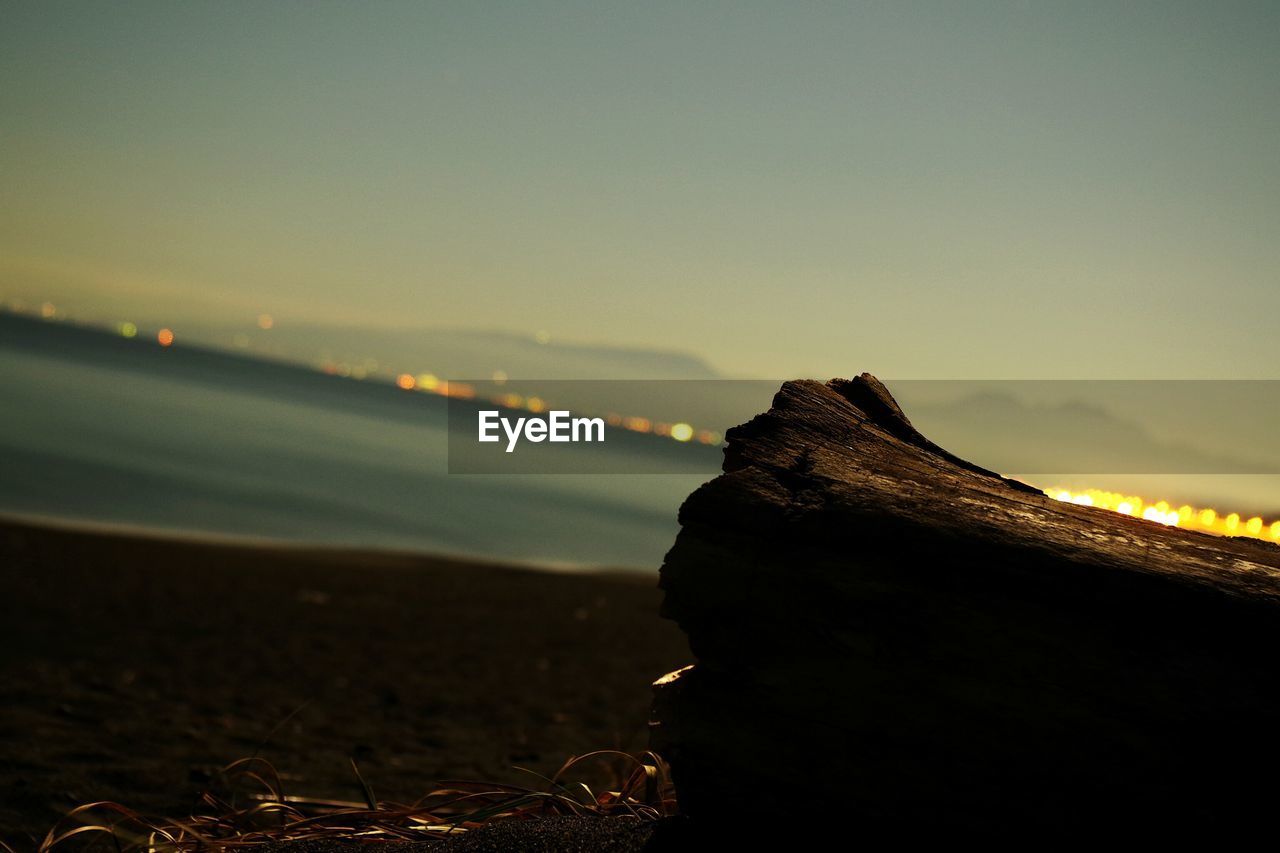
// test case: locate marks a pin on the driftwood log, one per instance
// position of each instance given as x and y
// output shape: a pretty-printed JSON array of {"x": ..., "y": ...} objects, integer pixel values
[{"x": 889, "y": 634}]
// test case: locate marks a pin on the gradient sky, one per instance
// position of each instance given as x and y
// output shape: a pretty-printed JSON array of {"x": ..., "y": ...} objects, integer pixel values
[{"x": 918, "y": 189}]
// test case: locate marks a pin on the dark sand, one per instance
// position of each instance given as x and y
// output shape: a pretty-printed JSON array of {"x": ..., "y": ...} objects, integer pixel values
[{"x": 132, "y": 668}]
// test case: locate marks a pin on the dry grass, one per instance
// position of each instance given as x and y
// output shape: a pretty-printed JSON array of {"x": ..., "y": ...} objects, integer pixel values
[{"x": 252, "y": 809}]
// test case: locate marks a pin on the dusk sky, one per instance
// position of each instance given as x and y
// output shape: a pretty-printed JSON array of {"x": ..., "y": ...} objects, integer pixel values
[{"x": 917, "y": 189}]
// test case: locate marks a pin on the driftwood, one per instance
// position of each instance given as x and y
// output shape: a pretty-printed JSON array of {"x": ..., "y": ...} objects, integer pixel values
[{"x": 889, "y": 634}]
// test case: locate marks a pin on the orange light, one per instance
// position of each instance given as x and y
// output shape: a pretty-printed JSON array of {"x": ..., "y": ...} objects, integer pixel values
[
  {"x": 511, "y": 401},
  {"x": 637, "y": 424},
  {"x": 165, "y": 337},
  {"x": 458, "y": 390},
  {"x": 406, "y": 381},
  {"x": 265, "y": 321}
]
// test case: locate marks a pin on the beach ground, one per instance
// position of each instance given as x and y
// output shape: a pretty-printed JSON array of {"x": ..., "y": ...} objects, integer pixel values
[{"x": 134, "y": 667}]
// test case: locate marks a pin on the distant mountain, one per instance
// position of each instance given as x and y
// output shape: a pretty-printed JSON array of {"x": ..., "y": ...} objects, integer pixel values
[
  {"x": 1011, "y": 435},
  {"x": 1075, "y": 445},
  {"x": 453, "y": 354}
]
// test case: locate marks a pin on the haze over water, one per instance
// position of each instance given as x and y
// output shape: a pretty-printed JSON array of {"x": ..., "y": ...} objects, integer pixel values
[{"x": 102, "y": 429}]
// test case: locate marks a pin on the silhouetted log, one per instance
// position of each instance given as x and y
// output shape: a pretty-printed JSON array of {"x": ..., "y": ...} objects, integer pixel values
[{"x": 886, "y": 630}]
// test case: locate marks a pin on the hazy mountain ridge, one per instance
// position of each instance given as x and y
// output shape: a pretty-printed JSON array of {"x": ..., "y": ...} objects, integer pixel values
[
  {"x": 455, "y": 353},
  {"x": 1069, "y": 436},
  {"x": 1078, "y": 444}
]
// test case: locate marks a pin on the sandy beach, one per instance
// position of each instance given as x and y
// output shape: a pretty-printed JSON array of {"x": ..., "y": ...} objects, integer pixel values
[{"x": 136, "y": 666}]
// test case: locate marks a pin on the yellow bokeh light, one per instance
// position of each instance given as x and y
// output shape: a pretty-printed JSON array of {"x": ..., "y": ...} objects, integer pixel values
[
  {"x": 681, "y": 432},
  {"x": 511, "y": 401},
  {"x": 1162, "y": 512}
]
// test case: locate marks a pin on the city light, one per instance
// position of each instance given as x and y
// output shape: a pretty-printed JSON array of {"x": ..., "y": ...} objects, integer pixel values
[{"x": 1205, "y": 519}]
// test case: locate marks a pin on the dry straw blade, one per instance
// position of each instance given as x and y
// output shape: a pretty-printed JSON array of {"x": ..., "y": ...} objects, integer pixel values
[{"x": 643, "y": 790}]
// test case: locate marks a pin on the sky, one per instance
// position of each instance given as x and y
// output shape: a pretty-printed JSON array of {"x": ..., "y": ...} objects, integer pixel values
[{"x": 935, "y": 190}]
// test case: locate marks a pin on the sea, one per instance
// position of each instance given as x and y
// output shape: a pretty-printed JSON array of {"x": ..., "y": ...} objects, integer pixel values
[{"x": 104, "y": 430}]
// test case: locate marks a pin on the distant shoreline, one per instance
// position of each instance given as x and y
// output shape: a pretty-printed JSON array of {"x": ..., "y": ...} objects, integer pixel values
[{"x": 313, "y": 550}]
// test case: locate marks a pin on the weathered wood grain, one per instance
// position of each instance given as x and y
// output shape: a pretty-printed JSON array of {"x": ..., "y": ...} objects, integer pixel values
[{"x": 887, "y": 630}]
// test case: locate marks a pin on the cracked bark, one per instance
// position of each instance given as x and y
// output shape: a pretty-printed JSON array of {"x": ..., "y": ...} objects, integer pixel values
[{"x": 883, "y": 628}]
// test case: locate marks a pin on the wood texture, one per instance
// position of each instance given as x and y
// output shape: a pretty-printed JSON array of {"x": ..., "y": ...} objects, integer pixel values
[{"x": 886, "y": 630}]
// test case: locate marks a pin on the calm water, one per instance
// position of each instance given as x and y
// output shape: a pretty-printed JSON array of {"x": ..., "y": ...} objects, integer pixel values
[{"x": 103, "y": 429}]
